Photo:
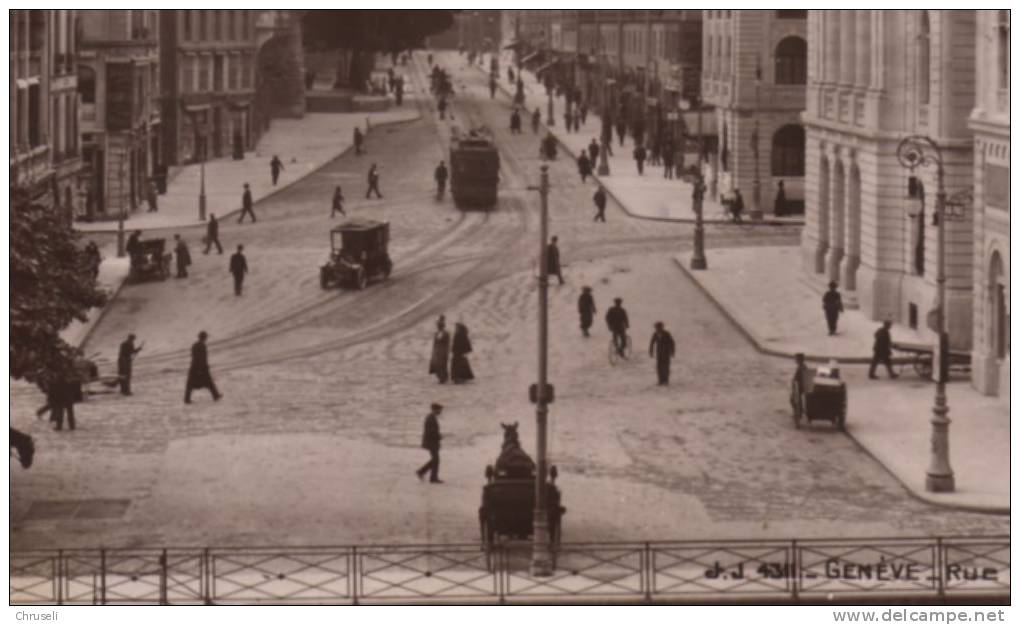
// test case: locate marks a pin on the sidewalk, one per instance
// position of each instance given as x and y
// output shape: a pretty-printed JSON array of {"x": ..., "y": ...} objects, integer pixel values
[
  {"x": 662, "y": 199},
  {"x": 304, "y": 145},
  {"x": 761, "y": 291}
]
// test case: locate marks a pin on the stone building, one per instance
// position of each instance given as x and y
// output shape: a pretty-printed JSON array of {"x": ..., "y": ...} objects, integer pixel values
[
  {"x": 207, "y": 72},
  {"x": 280, "y": 66},
  {"x": 754, "y": 72},
  {"x": 118, "y": 86},
  {"x": 875, "y": 77},
  {"x": 989, "y": 122},
  {"x": 43, "y": 114}
]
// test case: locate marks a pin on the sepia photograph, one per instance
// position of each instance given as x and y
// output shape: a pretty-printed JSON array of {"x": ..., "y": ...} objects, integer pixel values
[{"x": 446, "y": 307}]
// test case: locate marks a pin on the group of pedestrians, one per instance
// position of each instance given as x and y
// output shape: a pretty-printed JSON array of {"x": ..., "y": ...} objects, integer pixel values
[
  {"x": 881, "y": 349},
  {"x": 449, "y": 357}
]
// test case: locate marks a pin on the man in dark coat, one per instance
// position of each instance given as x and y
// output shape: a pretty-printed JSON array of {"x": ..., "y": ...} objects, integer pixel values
[
  {"x": 439, "y": 362},
  {"x": 61, "y": 397},
  {"x": 373, "y": 182},
  {"x": 832, "y": 304},
  {"x": 586, "y": 309},
  {"x": 616, "y": 319},
  {"x": 737, "y": 207},
  {"x": 600, "y": 204},
  {"x": 515, "y": 122},
  {"x": 667, "y": 161},
  {"x": 442, "y": 107},
  {"x": 212, "y": 235},
  {"x": 430, "y": 440},
  {"x": 359, "y": 140},
  {"x": 536, "y": 120},
  {"x": 460, "y": 367},
  {"x": 881, "y": 351},
  {"x": 583, "y": 167},
  {"x": 247, "y": 205},
  {"x": 275, "y": 167},
  {"x": 780, "y": 204},
  {"x": 621, "y": 129},
  {"x": 199, "y": 375},
  {"x": 238, "y": 268},
  {"x": 552, "y": 257},
  {"x": 639, "y": 157},
  {"x": 441, "y": 175},
  {"x": 663, "y": 348},
  {"x": 182, "y": 255},
  {"x": 124, "y": 357},
  {"x": 338, "y": 203},
  {"x": 133, "y": 247},
  {"x": 593, "y": 152}
]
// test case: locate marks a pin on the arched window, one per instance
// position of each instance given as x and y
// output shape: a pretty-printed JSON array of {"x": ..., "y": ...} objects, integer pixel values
[
  {"x": 788, "y": 151},
  {"x": 87, "y": 84},
  {"x": 1003, "y": 28},
  {"x": 924, "y": 60},
  {"x": 791, "y": 61}
]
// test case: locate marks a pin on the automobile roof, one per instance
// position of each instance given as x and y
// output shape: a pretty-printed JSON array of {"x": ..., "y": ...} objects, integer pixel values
[{"x": 359, "y": 224}]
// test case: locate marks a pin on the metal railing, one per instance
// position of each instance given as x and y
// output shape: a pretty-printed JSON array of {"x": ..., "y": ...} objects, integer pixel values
[{"x": 933, "y": 569}]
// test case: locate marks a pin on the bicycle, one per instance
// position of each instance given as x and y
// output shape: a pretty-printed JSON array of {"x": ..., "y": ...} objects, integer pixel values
[{"x": 616, "y": 354}]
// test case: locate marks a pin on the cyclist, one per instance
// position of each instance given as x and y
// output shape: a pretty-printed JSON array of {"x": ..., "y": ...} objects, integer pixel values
[{"x": 616, "y": 319}]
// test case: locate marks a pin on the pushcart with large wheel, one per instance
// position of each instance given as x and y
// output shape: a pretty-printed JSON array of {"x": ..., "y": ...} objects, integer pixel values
[
  {"x": 818, "y": 395},
  {"x": 508, "y": 498}
]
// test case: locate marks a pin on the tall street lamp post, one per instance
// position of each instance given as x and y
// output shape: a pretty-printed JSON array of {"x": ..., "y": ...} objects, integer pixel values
[
  {"x": 541, "y": 556},
  {"x": 201, "y": 183},
  {"x": 756, "y": 211},
  {"x": 921, "y": 151},
  {"x": 120, "y": 217}
]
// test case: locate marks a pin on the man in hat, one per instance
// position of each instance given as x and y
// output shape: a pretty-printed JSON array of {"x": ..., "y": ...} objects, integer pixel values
[
  {"x": 552, "y": 256},
  {"x": 247, "y": 204},
  {"x": 430, "y": 441},
  {"x": 663, "y": 348},
  {"x": 439, "y": 363},
  {"x": 832, "y": 304},
  {"x": 616, "y": 319},
  {"x": 238, "y": 268},
  {"x": 881, "y": 351},
  {"x": 586, "y": 309},
  {"x": 124, "y": 357},
  {"x": 199, "y": 375},
  {"x": 183, "y": 256}
]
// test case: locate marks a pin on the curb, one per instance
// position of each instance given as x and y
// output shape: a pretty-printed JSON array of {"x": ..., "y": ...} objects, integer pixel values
[
  {"x": 623, "y": 205},
  {"x": 756, "y": 343},
  {"x": 226, "y": 215},
  {"x": 102, "y": 313},
  {"x": 115, "y": 291}
]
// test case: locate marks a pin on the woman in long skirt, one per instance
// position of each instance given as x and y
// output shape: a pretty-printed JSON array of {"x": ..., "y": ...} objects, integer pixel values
[{"x": 460, "y": 368}]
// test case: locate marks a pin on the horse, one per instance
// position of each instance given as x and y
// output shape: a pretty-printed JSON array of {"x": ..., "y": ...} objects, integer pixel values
[
  {"x": 24, "y": 446},
  {"x": 510, "y": 436},
  {"x": 513, "y": 461}
]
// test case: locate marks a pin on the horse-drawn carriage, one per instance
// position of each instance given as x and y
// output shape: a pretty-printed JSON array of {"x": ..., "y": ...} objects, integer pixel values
[
  {"x": 818, "y": 395},
  {"x": 150, "y": 261},
  {"x": 508, "y": 497}
]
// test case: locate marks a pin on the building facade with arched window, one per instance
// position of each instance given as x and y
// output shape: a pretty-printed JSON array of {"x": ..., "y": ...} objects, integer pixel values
[
  {"x": 756, "y": 78},
  {"x": 990, "y": 123},
  {"x": 875, "y": 77}
]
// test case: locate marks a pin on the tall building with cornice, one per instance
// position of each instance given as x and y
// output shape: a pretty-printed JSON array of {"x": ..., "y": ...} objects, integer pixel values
[
  {"x": 875, "y": 77},
  {"x": 43, "y": 112},
  {"x": 989, "y": 122},
  {"x": 118, "y": 86},
  {"x": 754, "y": 72}
]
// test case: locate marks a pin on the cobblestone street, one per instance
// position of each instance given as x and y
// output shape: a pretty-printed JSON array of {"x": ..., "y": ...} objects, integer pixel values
[{"x": 317, "y": 437}]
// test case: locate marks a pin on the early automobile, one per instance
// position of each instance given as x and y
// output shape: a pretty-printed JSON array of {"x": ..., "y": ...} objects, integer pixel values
[
  {"x": 358, "y": 254},
  {"x": 474, "y": 170},
  {"x": 818, "y": 395},
  {"x": 151, "y": 261},
  {"x": 508, "y": 498}
]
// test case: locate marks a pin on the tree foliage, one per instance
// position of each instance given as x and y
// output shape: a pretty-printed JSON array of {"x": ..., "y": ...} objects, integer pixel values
[
  {"x": 373, "y": 30},
  {"x": 51, "y": 285}
]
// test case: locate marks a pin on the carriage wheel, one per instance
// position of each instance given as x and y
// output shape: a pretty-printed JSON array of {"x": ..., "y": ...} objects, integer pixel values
[
  {"x": 923, "y": 365},
  {"x": 841, "y": 415},
  {"x": 797, "y": 401}
]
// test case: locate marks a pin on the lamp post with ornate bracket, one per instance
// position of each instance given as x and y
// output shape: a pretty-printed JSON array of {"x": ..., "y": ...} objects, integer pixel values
[{"x": 921, "y": 151}]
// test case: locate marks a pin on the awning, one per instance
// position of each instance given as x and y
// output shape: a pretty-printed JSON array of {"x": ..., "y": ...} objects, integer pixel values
[
  {"x": 513, "y": 45},
  {"x": 531, "y": 57},
  {"x": 545, "y": 68},
  {"x": 238, "y": 105},
  {"x": 195, "y": 108}
]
